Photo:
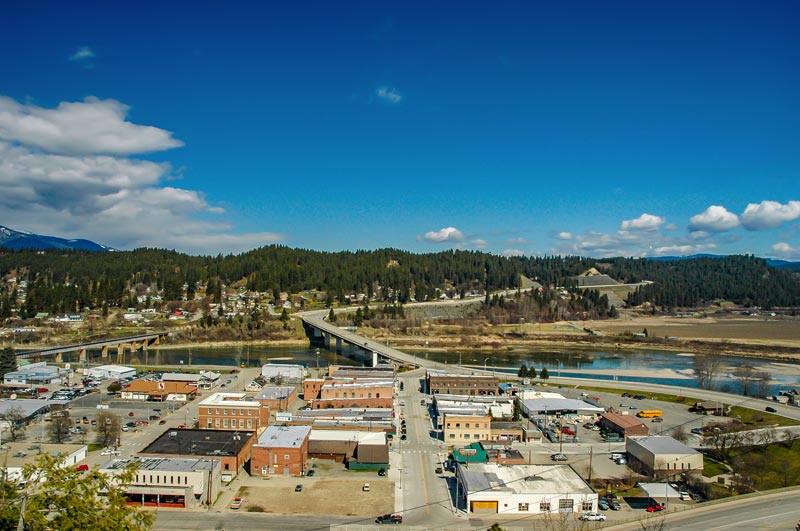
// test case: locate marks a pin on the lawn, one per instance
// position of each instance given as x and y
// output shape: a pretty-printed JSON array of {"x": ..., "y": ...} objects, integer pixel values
[{"x": 712, "y": 468}]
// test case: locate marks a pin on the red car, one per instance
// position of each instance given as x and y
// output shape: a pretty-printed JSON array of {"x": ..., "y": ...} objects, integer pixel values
[
  {"x": 655, "y": 508},
  {"x": 82, "y": 468},
  {"x": 162, "y": 421},
  {"x": 567, "y": 431},
  {"x": 181, "y": 426},
  {"x": 131, "y": 414}
]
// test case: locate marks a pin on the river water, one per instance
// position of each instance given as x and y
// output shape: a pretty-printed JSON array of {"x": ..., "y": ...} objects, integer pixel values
[{"x": 646, "y": 366}]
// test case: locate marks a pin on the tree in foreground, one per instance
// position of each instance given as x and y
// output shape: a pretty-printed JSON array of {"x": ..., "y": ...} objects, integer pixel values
[
  {"x": 69, "y": 500},
  {"x": 8, "y": 361}
]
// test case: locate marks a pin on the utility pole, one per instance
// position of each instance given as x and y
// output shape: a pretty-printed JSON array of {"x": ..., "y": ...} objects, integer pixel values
[{"x": 590, "y": 464}]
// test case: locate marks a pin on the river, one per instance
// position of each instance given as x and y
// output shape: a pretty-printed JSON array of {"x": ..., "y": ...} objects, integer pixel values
[{"x": 646, "y": 366}]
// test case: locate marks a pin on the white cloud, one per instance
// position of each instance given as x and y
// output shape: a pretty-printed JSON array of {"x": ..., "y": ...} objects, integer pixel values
[
  {"x": 479, "y": 243},
  {"x": 564, "y": 235},
  {"x": 683, "y": 250},
  {"x": 769, "y": 214},
  {"x": 83, "y": 54},
  {"x": 513, "y": 252},
  {"x": 447, "y": 234},
  {"x": 714, "y": 219},
  {"x": 643, "y": 222},
  {"x": 389, "y": 94},
  {"x": 517, "y": 241},
  {"x": 73, "y": 192},
  {"x": 784, "y": 250},
  {"x": 92, "y": 126}
]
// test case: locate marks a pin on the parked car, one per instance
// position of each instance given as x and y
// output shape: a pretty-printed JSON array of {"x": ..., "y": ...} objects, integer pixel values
[
  {"x": 365, "y": 487},
  {"x": 109, "y": 451},
  {"x": 654, "y": 508},
  {"x": 697, "y": 431},
  {"x": 621, "y": 461},
  {"x": 162, "y": 421},
  {"x": 593, "y": 517},
  {"x": 82, "y": 468},
  {"x": 236, "y": 503},
  {"x": 658, "y": 419},
  {"x": 771, "y": 409},
  {"x": 614, "y": 504},
  {"x": 685, "y": 496},
  {"x": 382, "y": 472},
  {"x": 125, "y": 428},
  {"x": 310, "y": 474},
  {"x": 439, "y": 470},
  {"x": 131, "y": 414},
  {"x": 389, "y": 519},
  {"x": 559, "y": 457},
  {"x": 602, "y": 504},
  {"x": 298, "y": 488},
  {"x": 567, "y": 431}
]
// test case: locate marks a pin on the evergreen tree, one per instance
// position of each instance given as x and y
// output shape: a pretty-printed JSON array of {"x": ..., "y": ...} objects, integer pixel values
[
  {"x": 544, "y": 375},
  {"x": 532, "y": 372},
  {"x": 523, "y": 371},
  {"x": 331, "y": 316},
  {"x": 8, "y": 361}
]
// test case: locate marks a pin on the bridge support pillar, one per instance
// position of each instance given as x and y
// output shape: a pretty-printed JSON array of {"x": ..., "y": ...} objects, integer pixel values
[
  {"x": 82, "y": 357},
  {"x": 327, "y": 339},
  {"x": 104, "y": 352},
  {"x": 338, "y": 345},
  {"x": 120, "y": 353},
  {"x": 59, "y": 357},
  {"x": 374, "y": 359}
]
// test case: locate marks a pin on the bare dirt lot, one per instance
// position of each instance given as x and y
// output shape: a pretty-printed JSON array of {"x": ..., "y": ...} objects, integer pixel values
[{"x": 337, "y": 497}]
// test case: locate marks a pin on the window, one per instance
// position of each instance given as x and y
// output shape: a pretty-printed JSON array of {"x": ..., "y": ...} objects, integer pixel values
[
  {"x": 452, "y": 435},
  {"x": 249, "y": 423},
  {"x": 263, "y": 470},
  {"x": 466, "y": 425},
  {"x": 233, "y": 423},
  {"x": 216, "y": 423},
  {"x": 208, "y": 425},
  {"x": 544, "y": 507},
  {"x": 217, "y": 411},
  {"x": 209, "y": 411},
  {"x": 224, "y": 423},
  {"x": 587, "y": 506},
  {"x": 241, "y": 412},
  {"x": 224, "y": 411},
  {"x": 286, "y": 457},
  {"x": 522, "y": 507},
  {"x": 458, "y": 424},
  {"x": 477, "y": 437},
  {"x": 466, "y": 435},
  {"x": 565, "y": 505}
]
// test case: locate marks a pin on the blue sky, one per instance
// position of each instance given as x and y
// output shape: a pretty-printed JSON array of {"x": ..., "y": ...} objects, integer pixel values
[{"x": 591, "y": 128}]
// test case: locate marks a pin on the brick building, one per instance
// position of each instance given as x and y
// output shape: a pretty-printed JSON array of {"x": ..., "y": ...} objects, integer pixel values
[
  {"x": 231, "y": 411},
  {"x": 624, "y": 425},
  {"x": 437, "y": 381},
  {"x": 276, "y": 398},
  {"x": 231, "y": 448},
  {"x": 281, "y": 450},
  {"x": 465, "y": 429}
]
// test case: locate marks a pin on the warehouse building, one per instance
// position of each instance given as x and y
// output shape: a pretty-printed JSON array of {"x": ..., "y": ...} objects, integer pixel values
[
  {"x": 523, "y": 489},
  {"x": 661, "y": 455}
]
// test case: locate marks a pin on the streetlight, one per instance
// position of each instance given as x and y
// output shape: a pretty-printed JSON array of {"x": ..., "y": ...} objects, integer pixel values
[{"x": 484, "y": 363}]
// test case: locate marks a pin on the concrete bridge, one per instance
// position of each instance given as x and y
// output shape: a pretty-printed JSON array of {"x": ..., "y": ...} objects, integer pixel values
[
  {"x": 324, "y": 334},
  {"x": 131, "y": 343}
]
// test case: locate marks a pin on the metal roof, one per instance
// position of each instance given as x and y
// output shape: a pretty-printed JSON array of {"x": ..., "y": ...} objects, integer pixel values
[
  {"x": 284, "y": 436},
  {"x": 662, "y": 444}
]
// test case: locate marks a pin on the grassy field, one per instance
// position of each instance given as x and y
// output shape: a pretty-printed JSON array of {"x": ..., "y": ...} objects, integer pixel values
[{"x": 712, "y": 468}]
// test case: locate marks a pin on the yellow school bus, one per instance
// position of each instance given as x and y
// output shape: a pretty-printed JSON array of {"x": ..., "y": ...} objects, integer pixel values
[{"x": 649, "y": 413}]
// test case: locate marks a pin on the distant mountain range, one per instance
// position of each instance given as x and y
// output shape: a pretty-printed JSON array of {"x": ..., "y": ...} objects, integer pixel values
[
  {"x": 774, "y": 262},
  {"x": 14, "y": 239}
]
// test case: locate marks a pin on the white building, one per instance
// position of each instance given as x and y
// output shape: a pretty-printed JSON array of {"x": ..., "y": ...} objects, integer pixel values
[
  {"x": 523, "y": 489},
  {"x": 36, "y": 373},
  {"x": 662, "y": 455},
  {"x": 288, "y": 372},
  {"x": 115, "y": 372},
  {"x": 19, "y": 454},
  {"x": 169, "y": 481}
]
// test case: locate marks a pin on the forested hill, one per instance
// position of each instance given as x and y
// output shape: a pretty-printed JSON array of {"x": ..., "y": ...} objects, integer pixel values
[{"x": 63, "y": 281}]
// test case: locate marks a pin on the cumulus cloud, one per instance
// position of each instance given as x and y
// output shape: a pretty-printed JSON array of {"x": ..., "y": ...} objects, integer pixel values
[
  {"x": 714, "y": 219},
  {"x": 769, "y": 214},
  {"x": 564, "y": 235},
  {"x": 512, "y": 252},
  {"x": 92, "y": 126},
  {"x": 784, "y": 250},
  {"x": 479, "y": 243},
  {"x": 643, "y": 222},
  {"x": 517, "y": 241},
  {"x": 683, "y": 250},
  {"x": 388, "y": 94},
  {"x": 117, "y": 201},
  {"x": 447, "y": 234},
  {"x": 82, "y": 55}
]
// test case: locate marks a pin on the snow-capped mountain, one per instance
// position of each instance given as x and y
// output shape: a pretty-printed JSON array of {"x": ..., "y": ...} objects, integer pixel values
[{"x": 16, "y": 239}]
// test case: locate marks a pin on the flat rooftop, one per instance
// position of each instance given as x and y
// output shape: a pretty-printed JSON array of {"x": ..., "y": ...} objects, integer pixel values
[
  {"x": 199, "y": 442},
  {"x": 662, "y": 444},
  {"x": 164, "y": 464},
  {"x": 523, "y": 479},
  {"x": 284, "y": 436},
  {"x": 274, "y": 392},
  {"x": 228, "y": 400}
]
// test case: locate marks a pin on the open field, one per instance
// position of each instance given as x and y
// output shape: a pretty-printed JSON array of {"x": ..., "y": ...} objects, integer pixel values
[
  {"x": 338, "y": 497},
  {"x": 754, "y": 330}
]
